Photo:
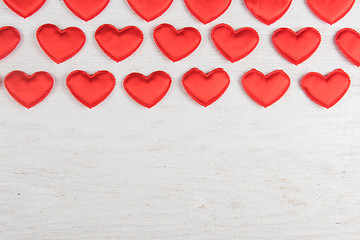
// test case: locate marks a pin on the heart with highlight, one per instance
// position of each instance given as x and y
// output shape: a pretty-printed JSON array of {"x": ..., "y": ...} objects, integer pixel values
[
  {"x": 234, "y": 45},
  {"x": 60, "y": 45},
  {"x": 296, "y": 47},
  {"x": 118, "y": 44},
  {"x": 150, "y": 9},
  {"x": 86, "y": 9},
  {"x": 266, "y": 89},
  {"x": 330, "y": 11},
  {"x": 174, "y": 44},
  {"x": 268, "y": 11},
  {"x": 9, "y": 39},
  {"x": 207, "y": 11},
  {"x": 348, "y": 41},
  {"x": 90, "y": 90},
  {"x": 24, "y": 8},
  {"x": 29, "y": 90},
  {"x": 326, "y": 91},
  {"x": 205, "y": 89},
  {"x": 147, "y": 90}
]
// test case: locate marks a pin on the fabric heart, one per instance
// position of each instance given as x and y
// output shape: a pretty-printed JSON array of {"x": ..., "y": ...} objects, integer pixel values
[
  {"x": 60, "y": 45},
  {"x": 9, "y": 39},
  {"x": 266, "y": 90},
  {"x": 147, "y": 90},
  {"x": 29, "y": 90},
  {"x": 24, "y": 8},
  {"x": 174, "y": 44},
  {"x": 86, "y": 9},
  {"x": 118, "y": 44},
  {"x": 207, "y": 11},
  {"x": 326, "y": 91},
  {"x": 90, "y": 90},
  {"x": 268, "y": 11},
  {"x": 330, "y": 11},
  {"x": 296, "y": 47},
  {"x": 150, "y": 9},
  {"x": 348, "y": 41},
  {"x": 234, "y": 45},
  {"x": 205, "y": 89}
]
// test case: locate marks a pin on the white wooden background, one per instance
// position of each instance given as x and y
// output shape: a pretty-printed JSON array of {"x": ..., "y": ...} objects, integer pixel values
[{"x": 179, "y": 171}]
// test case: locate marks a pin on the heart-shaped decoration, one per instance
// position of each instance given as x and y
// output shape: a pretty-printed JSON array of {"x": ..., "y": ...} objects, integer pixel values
[
  {"x": 147, "y": 90},
  {"x": 24, "y": 8},
  {"x": 326, "y": 91},
  {"x": 234, "y": 45},
  {"x": 29, "y": 90},
  {"x": 207, "y": 11},
  {"x": 118, "y": 44},
  {"x": 268, "y": 11},
  {"x": 348, "y": 41},
  {"x": 330, "y": 11},
  {"x": 174, "y": 44},
  {"x": 9, "y": 39},
  {"x": 296, "y": 47},
  {"x": 60, "y": 45},
  {"x": 266, "y": 89},
  {"x": 205, "y": 89},
  {"x": 150, "y": 9},
  {"x": 86, "y": 9},
  {"x": 90, "y": 90}
]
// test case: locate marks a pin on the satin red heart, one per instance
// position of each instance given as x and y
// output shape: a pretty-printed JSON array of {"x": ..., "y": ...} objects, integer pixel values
[
  {"x": 147, "y": 90},
  {"x": 90, "y": 90},
  {"x": 207, "y": 11},
  {"x": 174, "y": 44},
  {"x": 326, "y": 91},
  {"x": 205, "y": 89},
  {"x": 118, "y": 44},
  {"x": 266, "y": 89},
  {"x": 330, "y": 11},
  {"x": 85, "y": 9},
  {"x": 268, "y": 11},
  {"x": 296, "y": 47},
  {"x": 24, "y": 8},
  {"x": 29, "y": 90},
  {"x": 234, "y": 45},
  {"x": 150, "y": 9},
  {"x": 60, "y": 45},
  {"x": 348, "y": 41},
  {"x": 9, "y": 39}
]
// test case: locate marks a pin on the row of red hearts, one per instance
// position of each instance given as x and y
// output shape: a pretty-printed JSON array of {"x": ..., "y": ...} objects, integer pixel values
[
  {"x": 296, "y": 47},
  {"x": 205, "y": 11},
  {"x": 205, "y": 89}
]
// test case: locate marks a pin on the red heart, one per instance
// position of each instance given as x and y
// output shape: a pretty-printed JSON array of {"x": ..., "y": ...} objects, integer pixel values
[
  {"x": 24, "y": 8},
  {"x": 85, "y": 9},
  {"x": 150, "y": 9},
  {"x": 234, "y": 45},
  {"x": 9, "y": 39},
  {"x": 29, "y": 90},
  {"x": 90, "y": 90},
  {"x": 118, "y": 44},
  {"x": 348, "y": 41},
  {"x": 147, "y": 90},
  {"x": 296, "y": 47},
  {"x": 266, "y": 90},
  {"x": 205, "y": 89},
  {"x": 60, "y": 45},
  {"x": 207, "y": 11},
  {"x": 326, "y": 91},
  {"x": 268, "y": 11},
  {"x": 330, "y": 11},
  {"x": 175, "y": 44}
]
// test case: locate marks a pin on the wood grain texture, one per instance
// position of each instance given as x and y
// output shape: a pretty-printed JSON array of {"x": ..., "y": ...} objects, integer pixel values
[{"x": 179, "y": 171}]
